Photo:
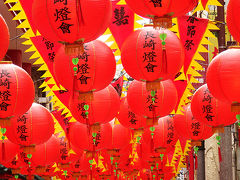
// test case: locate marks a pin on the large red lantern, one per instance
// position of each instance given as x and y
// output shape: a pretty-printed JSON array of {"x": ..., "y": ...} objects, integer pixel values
[
  {"x": 92, "y": 70},
  {"x": 161, "y": 10},
  {"x": 211, "y": 111},
  {"x": 101, "y": 109},
  {"x": 72, "y": 22},
  {"x": 16, "y": 91},
  {"x": 128, "y": 118},
  {"x": 4, "y": 38},
  {"x": 146, "y": 57},
  {"x": 222, "y": 75},
  {"x": 152, "y": 104},
  {"x": 47, "y": 153},
  {"x": 34, "y": 127},
  {"x": 83, "y": 138},
  {"x": 189, "y": 127},
  {"x": 233, "y": 22}
]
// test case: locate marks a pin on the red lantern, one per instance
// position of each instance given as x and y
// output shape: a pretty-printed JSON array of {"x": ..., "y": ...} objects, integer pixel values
[
  {"x": 222, "y": 75},
  {"x": 8, "y": 151},
  {"x": 152, "y": 104},
  {"x": 47, "y": 153},
  {"x": 16, "y": 91},
  {"x": 83, "y": 138},
  {"x": 92, "y": 70},
  {"x": 211, "y": 111},
  {"x": 101, "y": 109},
  {"x": 189, "y": 127},
  {"x": 72, "y": 21},
  {"x": 4, "y": 38},
  {"x": 121, "y": 137},
  {"x": 160, "y": 9},
  {"x": 128, "y": 118},
  {"x": 146, "y": 57},
  {"x": 233, "y": 22},
  {"x": 34, "y": 127},
  {"x": 162, "y": 136}
]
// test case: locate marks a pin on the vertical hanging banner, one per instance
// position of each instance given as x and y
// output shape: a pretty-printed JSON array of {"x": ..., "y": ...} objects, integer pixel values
[
  {"x": 118, "y": 85},
  {"x": 122, "y": 24},
  {"x": 191, "y": 30}
]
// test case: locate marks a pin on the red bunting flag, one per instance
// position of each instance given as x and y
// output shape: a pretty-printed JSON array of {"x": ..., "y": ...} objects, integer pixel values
[{"x": 191, "y": 30}]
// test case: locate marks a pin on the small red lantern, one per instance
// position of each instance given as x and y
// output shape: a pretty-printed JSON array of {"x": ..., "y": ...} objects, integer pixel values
[
  {"x": 83, "y": 138},
  {"x": 8, "y": 151},
  {"x": 121, "y": 136},
  {"x": 47, "y": 153},
  {"x": 72, "y": 22},
  {"x": 163, "y": 136},
  {"x": 16, "y": 91},
  {"x": 101, "y": 109},
  {"x": 92, "y": 70},
  {"x": 189, "y": 127},
  {"x": 128, "y": 118},
  {"x": 233, "y": 22},
  {"x": 160, "y": 11},
  {"x": 152, "y": 104},
  {"x": 211, "y": 111},
  {"x": 4, "y": 38},
  {"x": 34, "y": 127},
  {"x": 152, "y": 55},
  {"x": 222, "y": 75}
]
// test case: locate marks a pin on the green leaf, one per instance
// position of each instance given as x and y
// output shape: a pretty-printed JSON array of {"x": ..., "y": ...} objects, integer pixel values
[
  {"x": 196, "y": 149},
  {"x": 3, "y": 130},
  {"x": 218, "y": 143},
  {"x": 218, "y": 138},
  {"x": 3, "y": 137},
  {"x": 238, "y": 123},
  {"x": 29, "y": 163},
  {"x": 75, "y": 61},
  {"x": 163, "y": 43},
  {"x": 86, "y": 107},
  {"x": 161, "y": 155},
  {"x": 16, "y": 176},
  {"x": 152, "y": 134},
  {"x": 238, "y": 116},
  {"x": 87, "y": 113},
  {"x": 90, "y": 161},
  {"x": 75, "y": 69},
  {"x": 152, "y": 129},
  {"x": 94, "y": 134},
  {"x": 29, "y": 156},
  {"x": 111, "y": 158},
  {"x": 153, "y": 99},
  {"x": 153, "y": 93},
  {"x": 163, "y": 36},
  {"x": 139, "y": 138},
  {"x": 65, "y": 172}
]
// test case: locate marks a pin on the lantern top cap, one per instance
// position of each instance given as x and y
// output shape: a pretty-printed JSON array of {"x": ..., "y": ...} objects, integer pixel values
[
  {"x": 234, "y": 47},
  {"x": 5, "y": 62}
]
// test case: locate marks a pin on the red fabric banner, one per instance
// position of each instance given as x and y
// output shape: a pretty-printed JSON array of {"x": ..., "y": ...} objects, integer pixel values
[
  {"x": 118, "y": 85},
  {"x": 122, "y": 22},
  {"x": 191, "y": 30}
]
